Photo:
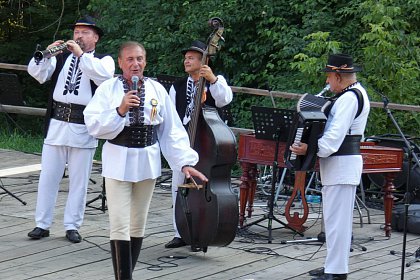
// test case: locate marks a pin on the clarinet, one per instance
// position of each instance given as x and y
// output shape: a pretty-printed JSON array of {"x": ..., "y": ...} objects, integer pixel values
[{"x": 40, "y": 55}]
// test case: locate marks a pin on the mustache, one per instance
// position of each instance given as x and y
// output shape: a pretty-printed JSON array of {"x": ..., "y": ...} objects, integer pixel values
[{"x": 81, "y": 43}]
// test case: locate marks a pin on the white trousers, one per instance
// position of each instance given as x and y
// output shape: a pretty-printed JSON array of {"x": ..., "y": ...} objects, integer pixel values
[
  {"x": 53, "y": 162},
  {"x": 128, "y": 206},
  {"x": 177, "y": 179},
  {"x": 338, "y": 206}
]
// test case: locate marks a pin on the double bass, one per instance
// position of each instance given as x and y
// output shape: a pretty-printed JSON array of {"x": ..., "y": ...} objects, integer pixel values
[{"x": 208, "y": 216}]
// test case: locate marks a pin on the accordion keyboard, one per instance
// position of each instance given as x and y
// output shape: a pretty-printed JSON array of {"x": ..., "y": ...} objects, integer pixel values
[{"x": 298, "y": 138}]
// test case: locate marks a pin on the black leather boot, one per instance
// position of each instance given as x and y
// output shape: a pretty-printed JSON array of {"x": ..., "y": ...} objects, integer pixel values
[
  {"x": 136, "y": 243},
  {"x": 121, "y": 259},
  {"x": 328, "y": 276}
]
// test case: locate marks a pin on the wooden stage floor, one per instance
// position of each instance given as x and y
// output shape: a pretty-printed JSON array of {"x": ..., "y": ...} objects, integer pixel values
[{"x": 248, "y": 257}]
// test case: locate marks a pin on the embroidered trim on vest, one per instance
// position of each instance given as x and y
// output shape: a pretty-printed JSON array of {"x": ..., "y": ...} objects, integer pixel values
[
  {"x": 73, "y": 77},
  {"x": 191, "y": 90},
  {"x": 136, "y": 114}
]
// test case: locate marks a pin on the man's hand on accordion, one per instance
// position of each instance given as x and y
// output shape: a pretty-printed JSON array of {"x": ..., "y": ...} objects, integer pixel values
[{"x": 299, "y": 148}]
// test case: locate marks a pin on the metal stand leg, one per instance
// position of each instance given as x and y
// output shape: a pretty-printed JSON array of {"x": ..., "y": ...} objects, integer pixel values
[
  {"x": 279, "y": 185},
  {"x": 279, "y": 188},
  {"x": 10, "y": 193},
  {"x": 416, "y": 258},
  {"x": 359, "y": 246},
  {"x": 101, "y": 196},
  {"x": 320, "y": 237},
  {"x": 308, "y": 188},
  {"x": 410, "y": 262},
  {"x": 361, "y": 202}
]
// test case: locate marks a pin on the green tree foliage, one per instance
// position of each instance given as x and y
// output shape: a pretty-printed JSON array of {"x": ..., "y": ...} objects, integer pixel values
[
  {"x": 387, "y": 47},
  {"x": 24, "y": 25},
  {"x": 391, "y": 54},
  {"x": 279, "y": 44}
]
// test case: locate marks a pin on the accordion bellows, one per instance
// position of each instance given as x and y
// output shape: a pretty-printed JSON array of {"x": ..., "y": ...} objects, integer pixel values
[{"x": 307, "y": 127}]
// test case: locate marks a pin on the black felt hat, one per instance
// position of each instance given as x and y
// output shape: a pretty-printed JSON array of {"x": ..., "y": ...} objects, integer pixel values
[
  {"x": 89, "y": 22},
  {"x": 341, "y": 63},
  {"x": 197, "y": 46}
]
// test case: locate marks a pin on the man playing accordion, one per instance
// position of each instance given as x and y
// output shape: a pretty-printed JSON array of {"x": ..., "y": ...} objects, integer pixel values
[{"x": 340, "y": 160}]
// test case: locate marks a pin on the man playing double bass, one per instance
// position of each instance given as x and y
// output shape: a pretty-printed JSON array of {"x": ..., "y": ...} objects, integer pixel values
[{"x": 182, "y": 92}]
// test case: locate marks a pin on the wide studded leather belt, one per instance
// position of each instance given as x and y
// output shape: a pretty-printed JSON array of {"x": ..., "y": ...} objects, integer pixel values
[
  {"x": 138, "y": 136},
  {"x": 68, "y": 112}
]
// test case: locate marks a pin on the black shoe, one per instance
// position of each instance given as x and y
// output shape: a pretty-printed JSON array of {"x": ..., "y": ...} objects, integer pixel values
[
  {"x": 38, "y": 233},
  {"x": 175, "y": 243},
  {"x": 73, "y": 236},
  {"x": 317, "y": 272},
  {"x": 328, "y": 276}
]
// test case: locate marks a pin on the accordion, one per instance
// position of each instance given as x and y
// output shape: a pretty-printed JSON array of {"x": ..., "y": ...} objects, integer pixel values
[{"x": 307, "y": 127}]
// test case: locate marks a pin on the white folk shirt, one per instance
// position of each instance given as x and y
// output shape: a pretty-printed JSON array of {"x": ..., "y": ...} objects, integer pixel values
[
  {"x": 220, "y": 91},
  {"x": 342, "y": 169},
  {"x": 92, "y": 68},
  {"x": 138, "y": 164}
]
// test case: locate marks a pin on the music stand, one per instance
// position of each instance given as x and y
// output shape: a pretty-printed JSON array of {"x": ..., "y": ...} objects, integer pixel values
[
  {"x": 101, "y": 196},
  {"x": 272, "y": 124},
  {"x": 268, "y": 122}
]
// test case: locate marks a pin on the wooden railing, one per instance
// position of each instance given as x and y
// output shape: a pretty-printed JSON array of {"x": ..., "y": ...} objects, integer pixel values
[
  {"x": 13, "y": 67},
  {"x": 289, "y": 95},
  {"x": 237, "y": 90}
]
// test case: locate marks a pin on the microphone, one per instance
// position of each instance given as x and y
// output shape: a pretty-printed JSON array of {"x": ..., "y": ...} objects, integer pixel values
[
  {"x": 324, "y": 90},
  {"x": 134, "y": 80},
  {"x": 134, "y": 111}
]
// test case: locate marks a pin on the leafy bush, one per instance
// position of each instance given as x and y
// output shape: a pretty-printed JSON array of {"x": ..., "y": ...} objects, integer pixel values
[{"x": 278, "y": 45}]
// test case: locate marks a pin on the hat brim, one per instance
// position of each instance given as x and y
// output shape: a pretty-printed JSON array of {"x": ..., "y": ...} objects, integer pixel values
[
  {"x": 331, "y": 70},
  {"x": 195, "y": 49},
  {"x": 99, "y": 31}
]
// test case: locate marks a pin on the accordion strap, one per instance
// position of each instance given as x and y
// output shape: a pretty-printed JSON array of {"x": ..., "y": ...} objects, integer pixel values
[{"x": 359, "y": 96}]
